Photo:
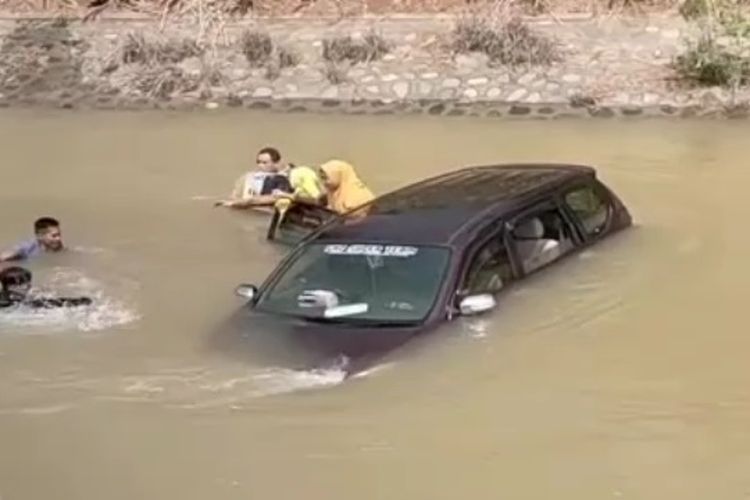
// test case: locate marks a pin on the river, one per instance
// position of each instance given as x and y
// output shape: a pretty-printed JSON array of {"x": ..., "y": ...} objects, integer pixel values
[{"x": 620, "y": 373}]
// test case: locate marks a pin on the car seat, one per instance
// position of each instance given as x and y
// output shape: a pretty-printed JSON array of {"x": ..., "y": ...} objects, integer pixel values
[{"x": 533, "y": 248}]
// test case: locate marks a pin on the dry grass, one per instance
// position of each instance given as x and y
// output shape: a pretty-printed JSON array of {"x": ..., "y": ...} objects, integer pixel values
[
  {"x": 707, "y": 63},
  {"x": 371, "y": 47},
  {"x": 139, "y": 49},
  {"x": 338, "y": 8},
  {"x": 256, "y": 46},
  {"x": 335, "y": 73},
  {"x": 260, "y": 51},
  {"x": 504, "y": 38}
]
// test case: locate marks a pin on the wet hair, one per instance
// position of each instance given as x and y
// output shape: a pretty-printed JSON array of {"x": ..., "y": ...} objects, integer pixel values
[
  {"x": 44, "y": 223},
  {"x": 11, "y": 276},
  {"x": 272, "y": 152}
]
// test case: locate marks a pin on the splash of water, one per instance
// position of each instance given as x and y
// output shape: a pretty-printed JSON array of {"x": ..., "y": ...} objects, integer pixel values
[{"x": 104, "y": 313}]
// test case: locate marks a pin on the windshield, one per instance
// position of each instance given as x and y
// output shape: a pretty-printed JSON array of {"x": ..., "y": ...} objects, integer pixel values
[{"x": 359, "y": 283}]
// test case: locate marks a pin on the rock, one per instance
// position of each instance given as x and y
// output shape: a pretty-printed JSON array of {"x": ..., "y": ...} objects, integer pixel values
[
  {"x": 373, "y": 89},
  {"x": 436, "y": 109},
  {"x": 526, "y": 79},
  {"x": 368, "y": 78},
  {"x": 451, "y": 83},
  {"x": 535, "y": 97},
  {"x": 571, "y": 78},
  {"x": 212, "y": 105},
  {"x": 582, "y": 101},
  {"x": 652, "y": 29},
  {"x": 389, "y": 57},
  {"x": 428, "y": 76},
  {"x": 603, "y": 112},
  {"x": 712, "y": 98},
  {"x": 631, "y": 110},
  {"x": 493, "y": 93},
  {"x": 650, "y": 99},
  {"x": 424, "y": 88},
  {"x": 670, "y": 34},
  {"x": 517, "y": 95},
  {"x": 263, "y": 92},
  {"x": 552, "y": 87},
  {"x": 390, "y": 77},
  {"x": 740, "y": 110},
  {"x": 473, "y": 60},
  {"x": 192, "y": 66},
  {"x": 519, "y": 110},
  {"x": 504, "y": 78},
  {"x": 447, "y": 94},
  {"x": 478, "y": 81},
  {"x": 621, "y": 98},
  {"x": 471, "y": 93},
  {"x": 331, "y": 92},
  {"x": 411, "y": 37},
  {"x": 401, "y": 89}
]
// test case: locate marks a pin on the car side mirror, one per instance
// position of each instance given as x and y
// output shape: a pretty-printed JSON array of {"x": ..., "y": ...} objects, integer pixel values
[
  {"x": 477, "y": 304},
  {"x": 246, "y": 291}
]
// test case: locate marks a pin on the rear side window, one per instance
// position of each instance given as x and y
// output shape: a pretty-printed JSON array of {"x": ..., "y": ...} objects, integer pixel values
[{"x": 591, "y": 206}]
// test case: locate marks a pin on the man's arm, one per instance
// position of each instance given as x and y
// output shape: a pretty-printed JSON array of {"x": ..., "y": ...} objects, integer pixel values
[
  {"x": 255, "y": 201},
  {"x": 9, "y": 255}
]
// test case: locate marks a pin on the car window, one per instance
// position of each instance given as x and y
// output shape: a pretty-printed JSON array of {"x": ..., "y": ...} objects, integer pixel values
[
  {"x": 380, "y": 282},
  {"x": 591, "y": 207},
  {"x": 489, "y": 269},
  {"x": 541, "y": 237}
]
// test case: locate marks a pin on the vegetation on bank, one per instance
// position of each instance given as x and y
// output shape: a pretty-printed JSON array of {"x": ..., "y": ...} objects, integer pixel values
[
  {"x": 155, "y": 65},
  {"x": 720, "y": 56},
  {"x": 340, "y": 8}
]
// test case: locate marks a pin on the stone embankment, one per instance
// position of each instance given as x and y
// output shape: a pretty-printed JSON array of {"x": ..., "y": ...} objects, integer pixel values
[{"x": 603, "y": 68}]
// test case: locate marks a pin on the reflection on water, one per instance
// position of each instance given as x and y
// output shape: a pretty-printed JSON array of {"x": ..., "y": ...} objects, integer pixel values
[{"x": 620, "y": 372}]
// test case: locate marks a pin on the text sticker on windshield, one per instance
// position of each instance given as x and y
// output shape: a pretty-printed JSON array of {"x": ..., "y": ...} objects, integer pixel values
[{"x": 372, "y": 250}]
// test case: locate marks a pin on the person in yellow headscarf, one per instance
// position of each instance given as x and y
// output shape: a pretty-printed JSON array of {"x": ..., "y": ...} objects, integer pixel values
[
  {"x": 306, "y": 185},
  {"x": 345, "y": 189}
]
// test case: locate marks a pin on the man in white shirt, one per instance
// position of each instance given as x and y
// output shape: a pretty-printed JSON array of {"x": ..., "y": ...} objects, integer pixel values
[{"x": 257, "y": 187}]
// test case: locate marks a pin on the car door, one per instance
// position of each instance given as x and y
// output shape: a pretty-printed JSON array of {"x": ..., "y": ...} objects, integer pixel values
[
  {"x": 590, "y": 206},
  {"x": 541, "y": 234},
  {"x": 487, "y": 266}
]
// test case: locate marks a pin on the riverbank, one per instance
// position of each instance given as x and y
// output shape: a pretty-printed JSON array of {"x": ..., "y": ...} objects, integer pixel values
[{"x": 603, "y": 67}]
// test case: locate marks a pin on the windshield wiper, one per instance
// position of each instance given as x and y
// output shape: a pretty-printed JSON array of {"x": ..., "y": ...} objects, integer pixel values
[{"x": 357, "y": 321}]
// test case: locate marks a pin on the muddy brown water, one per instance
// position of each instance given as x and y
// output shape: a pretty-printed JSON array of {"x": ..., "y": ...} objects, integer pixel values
[{"x": 620, "y": 373}]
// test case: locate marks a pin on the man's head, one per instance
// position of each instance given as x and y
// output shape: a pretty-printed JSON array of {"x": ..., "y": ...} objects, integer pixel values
[
  {"x": 47, "y": 231},
  {"x": 268, "y": 160},
  {"x": 15, "y": 281}
]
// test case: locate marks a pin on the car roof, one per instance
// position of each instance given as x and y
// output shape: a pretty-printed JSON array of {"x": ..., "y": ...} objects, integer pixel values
[{"x": 436, "y": 210}]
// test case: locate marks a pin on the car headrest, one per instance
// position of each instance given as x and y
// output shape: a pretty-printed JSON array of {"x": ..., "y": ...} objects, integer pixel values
[{"x": 531, "y": 229}]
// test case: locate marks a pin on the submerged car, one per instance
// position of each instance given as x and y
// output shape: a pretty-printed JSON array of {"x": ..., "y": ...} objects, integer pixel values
[{"x": 363, "y": 284}]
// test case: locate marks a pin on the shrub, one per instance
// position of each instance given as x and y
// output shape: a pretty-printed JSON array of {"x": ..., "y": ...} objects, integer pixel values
[
  {"x": 335, "y": 73},
  {"x": 260, "y": 51},
  {"x": 345, "y": 48},
  {"x": 138, "y": 49},
  {"x": 257, "y": 47},
  {"x": 511, "y": 43},
  {"x": 707, "y": 63}
]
